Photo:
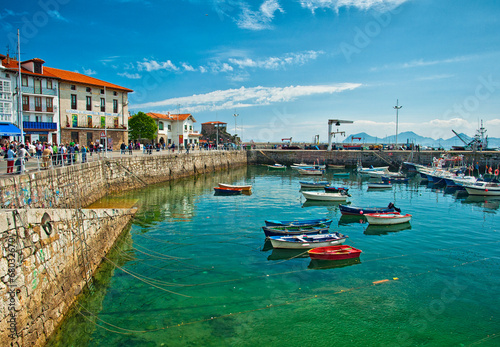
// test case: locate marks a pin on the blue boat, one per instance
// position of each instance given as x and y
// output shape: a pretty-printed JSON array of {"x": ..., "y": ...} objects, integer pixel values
[
  {"x": 312, "y": 184},
  {"x": 342, "y": 190},
  {"x": 395, "y": 179},
  {"x": 296, "y": 230},
  {"x": 298, "y": 222},
  {"x": 354, "y": 210}
]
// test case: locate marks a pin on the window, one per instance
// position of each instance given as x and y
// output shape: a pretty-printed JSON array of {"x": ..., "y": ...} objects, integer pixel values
[
  {"x": 73, "y": 87},
  {"x": 24, "y": 81},
  {"x": 73, "y": 101},
  {"x": 50, "y": 119},
  {"x": 26, "y": 103},
  {"x": 38, "y": 86},
  {"x": 49, "y": 84},
  {"x": 89, "y": 103},
  {"x": 38, "y": 103},
  {"x": 169, "y": 141},
  {"x": 102, "y": 91},
  {"x": 169, "y": 127},
  {"x": 160, "y": 126},
  {"x": 115, "y": 106},
  {"x": 37, "y": 67},
  {"x": 191, "y": 128},
  {"x": 115, "y": 93},
  {"x": 185, "y": 127},
  {"x": 89, "y": 90},
  {"x": 49, "y": 104},
  {"x": 103, "y": 105}
]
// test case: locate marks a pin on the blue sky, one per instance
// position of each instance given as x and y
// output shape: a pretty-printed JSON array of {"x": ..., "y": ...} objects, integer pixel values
[{"x": 285, "y": 67}]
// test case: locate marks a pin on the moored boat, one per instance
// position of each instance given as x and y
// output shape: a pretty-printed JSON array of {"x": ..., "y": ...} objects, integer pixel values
[
  {"x": 228, "y": 191},
  {"x": 242, "y": 187},
  {"x": 310, "y": 184},
  {"x": 388, "y": 218},
  {"x": 342, "y": 190},
  {"x": 317, "y": 172},
  {"x": 379, "y": 185},
  {"x": 338, "y": 252},
  {"x": 356, "y": 210},
  {"x": 307, "y": 241},
  {"x": 325, "y": 196},
  {"x": 483, "y": 188},
  {"x": 298, "y": 222},
  {"x": 296, "y": 230},
  {"x": 276, "y": 167}
]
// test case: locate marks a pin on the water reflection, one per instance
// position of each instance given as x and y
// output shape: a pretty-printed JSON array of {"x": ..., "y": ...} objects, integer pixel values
[
  {"x": 488, "y": 202},
  {"x": 348, "y": 219},
  {"x": 386, "y": 229},
  {"x": 318, "y": 264},
  {"x": 287, "y": 254},
  {"x": 332, "y": 205}
]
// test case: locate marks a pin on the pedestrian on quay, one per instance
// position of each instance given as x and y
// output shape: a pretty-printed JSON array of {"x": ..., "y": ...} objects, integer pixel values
[
  {"x": 21, "y": 156},
  {"x": 83, "y": 151},
  {"x": 10, "y": 159},
  {"x": 46, "y": 155},
  {"x": 130, "y": 148},
  {"x": 122, "y": 148}
]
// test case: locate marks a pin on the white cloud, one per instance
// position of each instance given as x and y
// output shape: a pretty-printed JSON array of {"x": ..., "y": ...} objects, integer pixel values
[
  {"x": 335, "y": 5},
  {"x": 276, "y": 62},
  {"x": 133, "y": 76},
  {"x": 153, "y": 65},
  {"x": 56, "y": 15},
  {"x": 258, "y": 20},
  {"x": 89, "y": 72},
  {"x": 188, "y": 67},
  {"x": 421, "y": 62},
  {"x": 245, "y": 97}
]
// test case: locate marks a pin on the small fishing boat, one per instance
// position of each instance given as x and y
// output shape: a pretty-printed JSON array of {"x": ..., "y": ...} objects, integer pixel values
[
  {"x": 308, "y": 166},
  {"x": 366, "y": 171},
  {"x": 317, "y": 172},
  {"x": 307, "y": 241},
  {"x": 320, "y": 196},
  {"x": 309, "y": 184},
  {"x": 296, "y": 230},
  {"x": 298, "y": 222},
  {"x": 244, "y": 188},
  {"x": 388, "y": 218},
  {"x": 483, "y": 188},
  {"x": 276, "y": 167},
  {"x": 342, "y": 190},
  {"x": 228, "y": 191},
  {"x": 379, "y": 185},
  {"x": 339, "y": 252},
  {"x": 355, "y": 210}
]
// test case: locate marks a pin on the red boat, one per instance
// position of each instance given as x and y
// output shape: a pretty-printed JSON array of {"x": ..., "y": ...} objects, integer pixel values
[
  {"x": 334, "y": 252},
  {"x": 228, "y": 191}
]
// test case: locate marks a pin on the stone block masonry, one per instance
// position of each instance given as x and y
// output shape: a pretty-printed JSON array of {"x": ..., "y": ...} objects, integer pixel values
[{"x": 47, "y": 257}]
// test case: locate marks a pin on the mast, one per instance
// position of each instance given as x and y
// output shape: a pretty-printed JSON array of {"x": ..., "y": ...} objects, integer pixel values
[{"x": 19, "y": 91}]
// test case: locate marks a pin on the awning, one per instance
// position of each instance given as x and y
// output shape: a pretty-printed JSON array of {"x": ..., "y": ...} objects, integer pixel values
[{"x": 9, "y": 130}]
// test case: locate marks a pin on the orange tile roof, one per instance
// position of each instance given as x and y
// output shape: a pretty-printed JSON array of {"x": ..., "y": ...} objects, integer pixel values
[
  {"x": 213, "y": 123},
  {"x": 173, "y": 117},
  {"x": 70, "y": 76},
  {"x": 64, "y": 75}
]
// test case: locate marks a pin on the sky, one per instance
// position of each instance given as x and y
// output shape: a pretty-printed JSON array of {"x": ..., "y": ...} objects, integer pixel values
[{"x": 282, "y": 67}]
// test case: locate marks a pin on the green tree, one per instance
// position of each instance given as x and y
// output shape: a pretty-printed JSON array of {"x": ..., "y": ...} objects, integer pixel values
[{"x": 142, "y": 126}]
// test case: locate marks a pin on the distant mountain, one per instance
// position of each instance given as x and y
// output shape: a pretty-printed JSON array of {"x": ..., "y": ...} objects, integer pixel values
[{"x": 411, "y": 137}]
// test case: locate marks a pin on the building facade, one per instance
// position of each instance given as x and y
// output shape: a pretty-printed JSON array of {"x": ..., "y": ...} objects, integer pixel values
[
  {"x": 176, "y": 129},
  {"x": 91, "y": 110},
  {"x": 64, "y": 106}
]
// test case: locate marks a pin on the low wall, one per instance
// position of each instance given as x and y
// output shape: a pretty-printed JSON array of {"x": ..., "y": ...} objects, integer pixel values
[
  {"x": 80, "y": 185},
  {"x": 365, "y": 157},
  {"x": 47, "y": 255}
]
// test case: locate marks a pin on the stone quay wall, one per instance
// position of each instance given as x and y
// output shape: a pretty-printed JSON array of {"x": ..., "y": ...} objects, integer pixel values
[
  {"x": 80, "y": 185},
  {"x": 366, "y": 157},
  {"x": 47, "y": 257}
]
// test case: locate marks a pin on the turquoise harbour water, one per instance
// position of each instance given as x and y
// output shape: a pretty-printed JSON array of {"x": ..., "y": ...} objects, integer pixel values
[{"x": 195, "y": 270}]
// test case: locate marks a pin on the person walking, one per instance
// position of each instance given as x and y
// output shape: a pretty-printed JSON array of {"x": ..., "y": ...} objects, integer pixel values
[
  {"x": 21, "y": 156},
  {"x": 122, "y": 148},
  {"x": 10, "y": 159},
  {"x": 130, "y": 148}
]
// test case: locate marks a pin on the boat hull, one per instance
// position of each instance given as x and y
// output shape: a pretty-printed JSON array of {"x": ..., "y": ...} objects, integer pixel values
[
  {"x": 293, "y": 230},
  {"x": 307, "y": 241},
  {"x": 355, "y": 211},
  {"x": 482, "y": 191},
  {"x": 302, "y": 222},
  {"x": 318, "y": 185},
  {"x": 339, "y": 252},
  {"x": 320, "y": 196},
  {"x": 387, "y": 218},
  {"x": 244, "y": 188},
  {"x": 227, "y": 191}
]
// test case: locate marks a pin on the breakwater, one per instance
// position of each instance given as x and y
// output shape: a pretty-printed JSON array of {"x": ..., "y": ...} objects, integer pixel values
[
  {"x": 51, "y": 245},
  {"x": 367, "y": 158}
]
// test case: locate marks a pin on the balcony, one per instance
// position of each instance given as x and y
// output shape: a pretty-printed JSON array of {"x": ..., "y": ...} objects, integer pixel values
[
  {"x": 39, "y": 126},
  {"x": 31, "y": 90}
]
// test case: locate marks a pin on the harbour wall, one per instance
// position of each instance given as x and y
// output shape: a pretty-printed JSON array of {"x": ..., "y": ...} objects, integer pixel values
[
  {"x": 367, "y": 157},
  {"x": 51, "y": 245}
]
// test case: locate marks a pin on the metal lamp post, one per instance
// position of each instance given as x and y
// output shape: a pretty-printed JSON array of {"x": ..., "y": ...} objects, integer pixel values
[
  {"x": 397, "y": 107},
  {"x": 235, "y": 115}
]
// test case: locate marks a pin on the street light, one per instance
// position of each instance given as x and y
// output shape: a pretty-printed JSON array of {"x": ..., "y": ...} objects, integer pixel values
[
  {"x": 235, "y": 115},
  {"x": 397, "y": 107}
]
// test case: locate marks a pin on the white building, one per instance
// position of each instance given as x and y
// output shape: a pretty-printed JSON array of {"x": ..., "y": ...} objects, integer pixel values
[{"x": 176, "y": 129}]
